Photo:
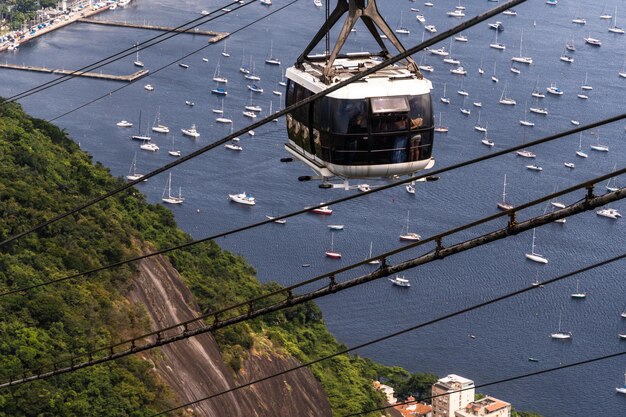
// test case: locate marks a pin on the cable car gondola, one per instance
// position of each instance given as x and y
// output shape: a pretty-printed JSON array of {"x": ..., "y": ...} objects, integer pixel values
[{"x": 379, "y": 126}]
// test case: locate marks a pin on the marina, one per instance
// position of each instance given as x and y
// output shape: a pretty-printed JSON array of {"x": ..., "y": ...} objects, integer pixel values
[{"x": 512, "y": 334}]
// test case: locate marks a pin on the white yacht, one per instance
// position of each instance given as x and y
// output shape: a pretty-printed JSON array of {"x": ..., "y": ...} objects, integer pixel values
[
  {"x": 609, "y": 212},
  {"x": 191, "y": 132},
  {"x": 242, "y": 198},
  {"x": 535, "y": 257},
  {"x": 148, "y": 146},
  {"x": 400, "y": 281},
  {"x": 124, "y": 123}
]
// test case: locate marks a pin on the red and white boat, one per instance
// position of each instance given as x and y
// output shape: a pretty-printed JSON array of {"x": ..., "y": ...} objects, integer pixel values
[
  {"x": 323, "y": 210},
  {"x": 331, "y": 253}
]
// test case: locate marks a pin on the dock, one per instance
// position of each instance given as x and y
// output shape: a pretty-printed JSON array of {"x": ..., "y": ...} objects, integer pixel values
[
  {"x": 215, "y": 36},
  {"x": 111, "y": 77}
]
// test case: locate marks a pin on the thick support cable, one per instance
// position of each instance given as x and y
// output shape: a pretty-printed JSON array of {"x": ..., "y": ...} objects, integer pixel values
[
  {"x": 408, "y": 52},
  {"x": 331, "y": 288}
]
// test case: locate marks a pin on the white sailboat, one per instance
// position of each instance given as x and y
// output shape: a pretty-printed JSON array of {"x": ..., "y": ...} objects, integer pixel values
[
  {"x": 137, "y": 62},
  {"x": 578, "y": 295},
  {"x": 503, "y": 205},
  {"x": 493, "y": 77},
  {"x": 615, "y": 28},
  {"x": 478, "y": 126},
  {"x": 173, "y": 151},
  {"x": 586, "y": 86},
  {"x": 525, "y": 121},
  {"x": 373, "y": 261},
  {"x": 497, "y": 45},
  {"x": 622, "y": 389},
  {"x": 402, "y": 29},
  {"x": 132, "y": 171},
  {"x": 170, "y": 199},
  {"x": 440, "y": 128},
  {"x": 271, "y": 60},
  {"x": 521, "y": 58},
  {"x": 599, "y": 147},
  {"x": 610, "y": 185},
  {"x": 445, "y": 99},
  {"x": 157, "y": 126},
  {"x": 535, "y": 256},
  {"x": 139, "y": 136},
  {"x": 217, "y": 77},
  {"x": 410, "y": 236},
  {"x": 561, "y": 334},
  {"x": 506, "y": 100}
]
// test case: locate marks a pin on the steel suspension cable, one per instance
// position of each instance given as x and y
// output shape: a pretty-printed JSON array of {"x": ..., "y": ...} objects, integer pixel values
[
  {"x": 337, "y": 201},
  {"x": 419, "y": 326},
  {"x": 441, "y": 252}
]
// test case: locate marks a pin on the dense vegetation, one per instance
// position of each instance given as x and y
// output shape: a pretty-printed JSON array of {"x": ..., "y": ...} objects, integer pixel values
[{"x": 43, "y": 173}]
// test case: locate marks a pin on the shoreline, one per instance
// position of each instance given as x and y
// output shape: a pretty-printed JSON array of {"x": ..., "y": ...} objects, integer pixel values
[{"x": 71, "y": 18}]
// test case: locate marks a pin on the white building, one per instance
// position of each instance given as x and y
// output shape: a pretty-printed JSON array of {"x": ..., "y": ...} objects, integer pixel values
[
  {"x": 450, "y": 394},
  {"x": 487, "y": 407}
]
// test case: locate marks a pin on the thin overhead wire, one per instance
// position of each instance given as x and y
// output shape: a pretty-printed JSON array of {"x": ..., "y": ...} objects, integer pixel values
[
  {"x": 130, "y": 51},
  {"x": 108, "y": 94},
  {"x": 160, "y": 338},
  {"x": 489, "y": 384},
  {"x": 419, "y": 326},
  {"x": 333, "y": 202}
]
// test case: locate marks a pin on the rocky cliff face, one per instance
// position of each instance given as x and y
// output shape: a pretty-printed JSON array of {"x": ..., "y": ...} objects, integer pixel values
[{"x": 193, "y": 368}]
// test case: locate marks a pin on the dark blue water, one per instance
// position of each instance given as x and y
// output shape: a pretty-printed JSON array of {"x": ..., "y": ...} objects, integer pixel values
[{"x": 506, "y": 333}]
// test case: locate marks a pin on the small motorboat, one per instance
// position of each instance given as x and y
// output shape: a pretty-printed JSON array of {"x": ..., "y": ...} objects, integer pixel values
[
  {"x": 242, "y": 198},
  {"x": 124, "y": 123},
  {"x": 335, "y": 226},
  {"x": 323, "y": 210},
  {"x": 400, "y": 281}
]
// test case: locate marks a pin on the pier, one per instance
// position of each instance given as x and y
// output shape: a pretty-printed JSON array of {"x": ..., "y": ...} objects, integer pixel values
[
  {"x": 124, "y": 78},
  {"x": 215, "y": 36}
]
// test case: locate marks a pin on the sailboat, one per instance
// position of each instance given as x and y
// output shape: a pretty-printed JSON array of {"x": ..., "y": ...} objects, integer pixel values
[
  {"x": 578, "y": 294},
  {"x": 622, "y": 390},
  {"x": 577, "y": 19},
  {"x": 401, "y": 29},
  {"x": 561, "y": 334},
  {"x": 373, "y": 261},
  {"x": 584, "y": 87},
  {"x": 506, "y": 100},
  {"x": 221, "y": 119},
  {"x": 270, "y": 60},
  {"x": 599, "y": 147},
  {"x": 486, "y": 141},
  {"x": 440, "y": 127},
  {"x": 157, "y": 126},
  {"x": 220, "y": 79},
  {"x": 478, "y": 126},
  {"x": 137, "y": 62},
  {"x": 462, "y": 92},
  {"x": 493, "y": 77},
  {"x": 173, "y": 151},
  {"x": 536, "y": 93},
  {"x": 525, "y": 121},
  {"x": 411, "y": 236},
  {"x": 331, "y": 253},
  {"x": 465, "y": 110},
  {"x": 535, "y": 256},
  {"x": 497, "y": 45},
  {"x": 138, "y": 136},
  {"x": 132, "y": 172},
  {"x": 613, "y": 187},
  {"x": 503, "y": 205},
  {"x": 522, "y": 59},
  {"x": 615, "y": 28},
  {"x": 481, "y": 71},
  {"x": 170, "y": 199},
  {"x": 622, "y": 73},
  {"x": 445, "y": 99},
  {"x": 224, "y": 53}
]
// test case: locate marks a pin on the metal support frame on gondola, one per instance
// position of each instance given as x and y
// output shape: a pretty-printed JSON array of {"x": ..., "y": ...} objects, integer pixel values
[{"x": 365, "y": 10}]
